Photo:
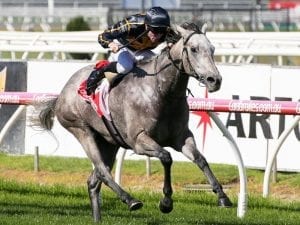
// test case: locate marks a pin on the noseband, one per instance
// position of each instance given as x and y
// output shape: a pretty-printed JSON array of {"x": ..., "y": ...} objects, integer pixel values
[{"x": 193, "y": 73}]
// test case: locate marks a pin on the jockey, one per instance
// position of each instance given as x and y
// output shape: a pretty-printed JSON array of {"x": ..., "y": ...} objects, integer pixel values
[{"x": 130, "y": 41}]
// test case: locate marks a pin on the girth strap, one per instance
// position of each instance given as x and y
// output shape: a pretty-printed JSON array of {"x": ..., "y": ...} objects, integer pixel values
[{"x": 115, "y": 133}]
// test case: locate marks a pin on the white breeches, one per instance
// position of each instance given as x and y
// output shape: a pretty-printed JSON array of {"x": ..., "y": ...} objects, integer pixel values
[{"x": 126, "y": 58}]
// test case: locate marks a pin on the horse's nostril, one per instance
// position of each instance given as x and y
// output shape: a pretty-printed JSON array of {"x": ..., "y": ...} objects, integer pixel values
[
  {"x": 211, "y": 80},
  {"x": 213, "y": 83}
]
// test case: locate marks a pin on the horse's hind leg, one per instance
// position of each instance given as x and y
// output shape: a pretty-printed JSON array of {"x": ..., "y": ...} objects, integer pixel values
[
  {"x": 147, "y": 146},
  {"x": 102, "y": 154},
  {"x": 94, "y": 186},
  {"x": 189, "y": 149}
]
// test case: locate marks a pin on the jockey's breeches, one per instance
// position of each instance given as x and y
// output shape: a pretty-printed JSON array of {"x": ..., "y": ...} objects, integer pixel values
[{"x": 127, "y": 58}]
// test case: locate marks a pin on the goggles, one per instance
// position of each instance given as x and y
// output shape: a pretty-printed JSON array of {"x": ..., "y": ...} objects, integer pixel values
[{"x": 157, "y": 30}]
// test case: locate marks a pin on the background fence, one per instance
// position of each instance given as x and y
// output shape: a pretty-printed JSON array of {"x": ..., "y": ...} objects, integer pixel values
[
  {"x": 241, "y": 15},
  {"x": 233, "y": 47}
]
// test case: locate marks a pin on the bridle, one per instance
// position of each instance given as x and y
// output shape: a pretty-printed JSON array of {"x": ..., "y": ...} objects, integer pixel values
[{"x": 193, "y": 73}]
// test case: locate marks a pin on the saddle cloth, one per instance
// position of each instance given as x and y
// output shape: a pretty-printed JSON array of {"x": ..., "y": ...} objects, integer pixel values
[
  {"x": 99, "y": 102},
  {"x": 99, "y": 99}
]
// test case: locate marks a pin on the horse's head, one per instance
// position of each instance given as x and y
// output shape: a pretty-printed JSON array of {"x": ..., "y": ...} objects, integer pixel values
[{"x": 198, "y": 56}]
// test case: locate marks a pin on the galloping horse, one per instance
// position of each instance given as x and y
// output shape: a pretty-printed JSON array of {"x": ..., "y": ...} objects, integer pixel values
[{"x": 150, "y": 111}]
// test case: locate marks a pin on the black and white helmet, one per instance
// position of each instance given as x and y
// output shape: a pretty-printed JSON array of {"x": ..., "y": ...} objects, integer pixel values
[{"x": 157, "y": 17}]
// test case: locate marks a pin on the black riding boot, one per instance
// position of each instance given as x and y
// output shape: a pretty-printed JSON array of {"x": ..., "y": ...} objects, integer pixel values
[{"x": 98, "y": 75}]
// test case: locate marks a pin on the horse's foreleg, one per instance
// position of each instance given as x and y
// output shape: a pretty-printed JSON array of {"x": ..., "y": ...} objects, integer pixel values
[
  {"x": 147, "y": 146},
  {"x": 189, "y": 149}
]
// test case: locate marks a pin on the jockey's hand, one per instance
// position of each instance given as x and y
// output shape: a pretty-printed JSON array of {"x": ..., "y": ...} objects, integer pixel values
[{"x": 114, "y": 47}]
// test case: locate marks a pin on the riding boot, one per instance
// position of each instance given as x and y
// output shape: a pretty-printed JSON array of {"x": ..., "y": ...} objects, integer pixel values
[{"x": 97, "y": 75}]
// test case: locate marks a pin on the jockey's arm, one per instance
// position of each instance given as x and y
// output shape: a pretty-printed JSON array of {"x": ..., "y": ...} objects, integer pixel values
[{"x": 118, "y": 30}]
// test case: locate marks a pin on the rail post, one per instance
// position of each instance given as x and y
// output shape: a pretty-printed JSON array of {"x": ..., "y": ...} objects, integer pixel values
[
  {"x": 243, "y": 196},
  {"x": 36, "y": 159}
]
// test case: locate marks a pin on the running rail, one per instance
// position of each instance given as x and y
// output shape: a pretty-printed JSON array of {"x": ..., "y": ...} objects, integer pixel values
[
  {"x": 244, "y": 106},
  {"x": 25, "y": 98},
  {"x": 273, "y": 154},
  {"x": 195, "y": 104},
  {"x": 203, "y": 104},
  {"x": 243, "y": 196},
  {"x": 237, "y": 46}
]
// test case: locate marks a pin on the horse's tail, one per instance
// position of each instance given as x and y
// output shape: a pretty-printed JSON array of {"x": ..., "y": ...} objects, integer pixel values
[{"x": 43, "y": 115}]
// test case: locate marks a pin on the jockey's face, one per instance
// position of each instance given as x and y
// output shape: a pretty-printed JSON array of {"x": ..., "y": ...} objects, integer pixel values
[{"x": 154, "y": 34}]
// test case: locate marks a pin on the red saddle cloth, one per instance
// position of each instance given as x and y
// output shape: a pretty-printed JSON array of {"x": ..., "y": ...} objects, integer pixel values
[{"x": 98, "y": 99}]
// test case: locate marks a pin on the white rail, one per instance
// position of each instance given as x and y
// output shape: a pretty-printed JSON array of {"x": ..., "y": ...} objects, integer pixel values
[
  {"x": 52, "y": 42},
  {"x": 273, "y": 154},
  {"x": 234, "y": 44},
  {"x": 243, "y": 196},
  {"x": 11, "y": 122}
]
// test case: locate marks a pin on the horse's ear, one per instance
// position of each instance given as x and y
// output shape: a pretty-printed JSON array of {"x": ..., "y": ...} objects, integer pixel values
[
  {"x": 204, "y": 28},
  {"x": 179, "y": 29}
]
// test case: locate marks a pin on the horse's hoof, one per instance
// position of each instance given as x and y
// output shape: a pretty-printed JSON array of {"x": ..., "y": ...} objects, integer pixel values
[
  {"x": 224, "y": 202},
  {"x": 135, "y": 205},
  {"x": 166, "y": 205},
  {"x": 97, "y": 220},
  {"x": 97, "y": 217}
]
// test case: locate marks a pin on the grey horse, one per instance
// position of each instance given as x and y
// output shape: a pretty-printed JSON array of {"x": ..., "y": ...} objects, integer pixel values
[{"x": 150, "y": 111}]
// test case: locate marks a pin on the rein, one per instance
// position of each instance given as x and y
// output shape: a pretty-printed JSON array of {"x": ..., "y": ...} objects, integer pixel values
[
  {"x": 130, "y": 42},
  {"x": 174, "y": 62}
]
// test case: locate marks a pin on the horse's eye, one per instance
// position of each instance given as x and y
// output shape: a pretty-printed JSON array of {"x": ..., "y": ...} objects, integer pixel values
[{"x": 194, "y": 49}]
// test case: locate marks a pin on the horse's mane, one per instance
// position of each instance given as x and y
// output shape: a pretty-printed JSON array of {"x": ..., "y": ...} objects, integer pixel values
[
  {"x": 173, "y": 37},
  {"x": 192, "y": 26}
]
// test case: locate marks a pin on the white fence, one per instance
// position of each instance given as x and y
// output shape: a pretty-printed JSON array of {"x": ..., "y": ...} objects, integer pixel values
[
  {"x": 237, "y": 47},
  {"x": 56, "y": 43}
]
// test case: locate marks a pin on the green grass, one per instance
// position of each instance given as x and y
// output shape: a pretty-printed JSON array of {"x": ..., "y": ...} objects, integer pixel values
[
  {"x": 33, "y": 203},
  {"x": 191, "y": 174},
  {"x": 50, "y": 164},
  {"x": 225, "y": 173}
]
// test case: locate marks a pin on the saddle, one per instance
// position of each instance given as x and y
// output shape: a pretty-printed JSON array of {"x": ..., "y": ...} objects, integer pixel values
[{"x": 99, "y": 101}]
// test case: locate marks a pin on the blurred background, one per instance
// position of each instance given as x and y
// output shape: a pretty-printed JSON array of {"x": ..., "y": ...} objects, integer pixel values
[
  {"x": 241, "y": 30},
  {"x": 228, "y": 15}
]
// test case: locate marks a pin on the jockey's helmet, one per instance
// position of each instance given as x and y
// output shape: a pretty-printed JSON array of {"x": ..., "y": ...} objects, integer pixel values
[{"x": 157, "y": 17}]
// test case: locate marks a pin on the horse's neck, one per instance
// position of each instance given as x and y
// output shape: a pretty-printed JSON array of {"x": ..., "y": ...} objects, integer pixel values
[{"x": 170, "y": 81}]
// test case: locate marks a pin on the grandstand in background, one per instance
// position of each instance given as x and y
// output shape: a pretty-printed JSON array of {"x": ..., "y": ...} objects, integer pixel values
[
  {"x": 237, "y": 15},
  {"x": 138, "y": 4}
]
